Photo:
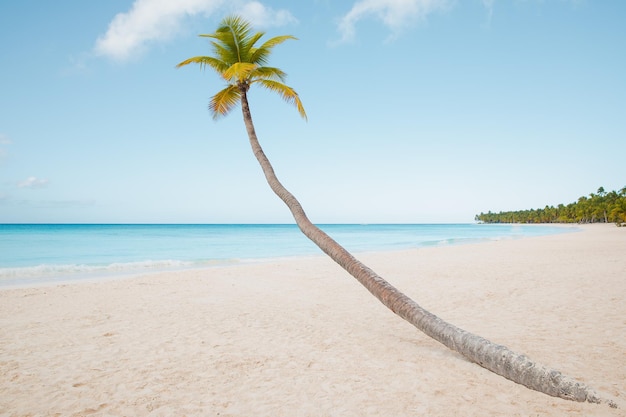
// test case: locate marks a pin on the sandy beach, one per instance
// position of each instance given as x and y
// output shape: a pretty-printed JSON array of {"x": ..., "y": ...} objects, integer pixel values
[{"x": 300, "y": 337}]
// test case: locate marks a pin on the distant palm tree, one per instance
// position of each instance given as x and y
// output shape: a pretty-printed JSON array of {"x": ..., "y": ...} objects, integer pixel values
[{"x": 241, "y": 64}]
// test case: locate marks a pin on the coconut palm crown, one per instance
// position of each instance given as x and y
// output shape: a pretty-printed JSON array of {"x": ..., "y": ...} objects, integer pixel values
[{"x": 241, "y": 64}]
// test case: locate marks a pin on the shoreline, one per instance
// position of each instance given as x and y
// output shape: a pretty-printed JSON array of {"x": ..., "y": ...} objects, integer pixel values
[
  {"x": 302, "y": 337},
  {"x": 52, "y": 274}
]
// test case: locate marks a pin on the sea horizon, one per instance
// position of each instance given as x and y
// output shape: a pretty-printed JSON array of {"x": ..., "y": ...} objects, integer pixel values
[{"x": 41, "y": 253}]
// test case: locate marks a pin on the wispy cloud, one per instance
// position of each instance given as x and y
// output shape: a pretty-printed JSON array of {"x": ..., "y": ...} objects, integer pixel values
[
  {"x": 148, "y": 21},
  {"x": 33, "y": 183},
  {"x": 263, "y": 16},
  {"x": 395, "y": 14},
  {"x": 152, "y": 21},
  {"x": 489, "y": 6}
]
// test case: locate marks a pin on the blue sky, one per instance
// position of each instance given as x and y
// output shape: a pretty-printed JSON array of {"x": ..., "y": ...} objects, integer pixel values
[{"x": 419, "y": 110}]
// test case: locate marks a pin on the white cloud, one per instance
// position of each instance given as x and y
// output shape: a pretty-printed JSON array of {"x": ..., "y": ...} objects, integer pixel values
[
  {"x": 263, "y": 16},
  {"x": 150, "y": 21},
  {"x": 395, "y": 14},
  {"x": 489, "y": 6},
  {"x": 33, "y": 182}
]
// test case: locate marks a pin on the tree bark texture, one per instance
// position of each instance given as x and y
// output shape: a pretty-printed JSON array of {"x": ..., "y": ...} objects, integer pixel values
[{"x": 496, "y": 358}]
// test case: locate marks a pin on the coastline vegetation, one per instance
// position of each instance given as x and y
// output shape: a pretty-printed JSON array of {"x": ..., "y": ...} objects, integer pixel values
[{"x": 601, "y": 207}]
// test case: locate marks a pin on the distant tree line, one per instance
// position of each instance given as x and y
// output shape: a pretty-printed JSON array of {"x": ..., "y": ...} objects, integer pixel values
[{"x": 601, "y": 207}]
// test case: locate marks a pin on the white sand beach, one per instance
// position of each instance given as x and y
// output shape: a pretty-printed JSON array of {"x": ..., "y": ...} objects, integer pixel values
[{"x": 300, "y": 337}]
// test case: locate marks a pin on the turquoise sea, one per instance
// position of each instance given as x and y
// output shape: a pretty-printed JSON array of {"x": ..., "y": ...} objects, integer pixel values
[{"x": 42, "y": 253}]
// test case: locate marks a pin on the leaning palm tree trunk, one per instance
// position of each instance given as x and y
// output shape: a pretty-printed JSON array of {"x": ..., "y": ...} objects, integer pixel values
[{"x": 496, "y": 358}]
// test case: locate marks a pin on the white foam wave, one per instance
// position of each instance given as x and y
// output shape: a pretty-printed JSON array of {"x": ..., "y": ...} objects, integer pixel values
[{"x": 49, "y": 270}]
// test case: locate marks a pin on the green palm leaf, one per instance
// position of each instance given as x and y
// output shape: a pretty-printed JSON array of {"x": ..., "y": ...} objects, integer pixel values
[
  {"x": 223, "y": 102},
  {"x": 269, "y": 73},
  {"x": 206, "y": 61},
  {"x": 287, "y": 93},
  {"x": 262, "y": 53},
  {"x": 239, "y": 72},
  {"x": 237, "y": 60}
]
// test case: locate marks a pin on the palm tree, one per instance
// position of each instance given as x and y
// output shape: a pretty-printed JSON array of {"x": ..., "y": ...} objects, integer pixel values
[{"x": 242, "y": 64}]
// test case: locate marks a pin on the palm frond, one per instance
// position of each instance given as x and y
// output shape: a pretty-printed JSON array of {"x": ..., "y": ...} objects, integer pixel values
[
  {"x": 277, "y": 40},
  {"x": 223, "y": 102},
  {"x": 224, "y": 53},
  {"x": 249, "y": 46},
  {"x": 234, "y": 41},
  {"x": 205, "y": 61},
  {"x": 240, "y": 63},
  {"x": 234, "y": 32},
  {"x": 239, "y": 72},
  {"x": 287, "y": 93},
  {"x": 261, "y": 54},
  {"x": 269, "y": 73}
]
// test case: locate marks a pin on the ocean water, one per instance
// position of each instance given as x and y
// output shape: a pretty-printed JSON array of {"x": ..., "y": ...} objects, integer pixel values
[{"x": 42, "y": 253}]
